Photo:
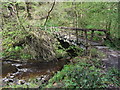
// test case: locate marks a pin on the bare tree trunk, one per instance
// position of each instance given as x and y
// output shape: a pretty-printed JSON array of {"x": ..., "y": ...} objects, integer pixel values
[
  {"x": 18, "y": 18},
  {"x": 75, "y": 19},
  {"x": 81, "y": 16},
  {"x": 49, "y": 13},
  {"x": 119, "y": 20},
  {"x": 108, "y": 27}
]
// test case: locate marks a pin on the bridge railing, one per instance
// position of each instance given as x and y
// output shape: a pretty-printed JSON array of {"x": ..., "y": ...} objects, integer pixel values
[
  {"x": 88, "y": 38},
  {"x": 84, "y": 32}
]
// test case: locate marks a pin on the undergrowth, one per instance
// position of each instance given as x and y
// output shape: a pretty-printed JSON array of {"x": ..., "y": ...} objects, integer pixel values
[{"x": 85, "y": 74}]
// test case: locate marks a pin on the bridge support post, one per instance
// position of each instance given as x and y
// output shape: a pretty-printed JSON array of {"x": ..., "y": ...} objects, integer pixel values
[
  {"x": 77, "y": 36},
  {"x": 69, "y": 35},
  {"x": 92, "y": 34},
  {"x": 86, "y": 43}
]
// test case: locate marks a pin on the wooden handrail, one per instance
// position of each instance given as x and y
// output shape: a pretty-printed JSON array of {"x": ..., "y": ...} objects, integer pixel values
[{"x": 81, "y": 29}]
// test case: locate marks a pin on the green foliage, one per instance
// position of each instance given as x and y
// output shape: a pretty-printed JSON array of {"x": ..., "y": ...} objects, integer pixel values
[
  {"x": 76, "y": 50},
  {"x": 115, "y": 44},
  {"x": 16, "y": 52},
  {"x": 90, "y": 26},
  {"x": 114, "y": 76},
  {"x": 90, "y": 15},
  {"x": 61, "y": 53},
  {"x": 93, "y": 52},
  {"x": 84, "y": 74}
]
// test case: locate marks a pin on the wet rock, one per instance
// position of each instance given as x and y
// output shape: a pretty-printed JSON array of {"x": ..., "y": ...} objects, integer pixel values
[
  {"x": 17, "y": 65},
  {"x": 39, "y": 79},
  {"x": 20, "y": 82},
  {"x": 43, "y": 79},
  {"x": 10, "y": 80},
  {"x": 11, "y": 76},
  {"x": 15, "y": 73},
  {"x": 22, "y": 70},
  {"x": 47, "y": 77},
  {"x": 7, "y": 80}
]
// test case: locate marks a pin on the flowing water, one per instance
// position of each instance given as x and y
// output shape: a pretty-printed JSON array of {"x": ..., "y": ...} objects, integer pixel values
[{"x": 30, "y": 69}]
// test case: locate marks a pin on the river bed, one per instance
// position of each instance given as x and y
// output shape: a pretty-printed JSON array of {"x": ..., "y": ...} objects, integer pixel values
[{"x": 30, "y": 69}]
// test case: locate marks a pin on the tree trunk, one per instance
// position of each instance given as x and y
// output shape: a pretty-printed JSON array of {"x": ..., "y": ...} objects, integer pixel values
[
  {"x": 28, "y": 10},
  {"x": 49, "y": 13}
]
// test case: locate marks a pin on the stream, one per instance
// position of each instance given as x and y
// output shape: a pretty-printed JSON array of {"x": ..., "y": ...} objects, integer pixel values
[
  {"x": 13, "y": 72},
  {"x": 18, "y": 72}
]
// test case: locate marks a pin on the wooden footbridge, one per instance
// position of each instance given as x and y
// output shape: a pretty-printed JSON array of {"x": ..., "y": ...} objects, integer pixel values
[
  {"x": 85, "y": 39},
  {"x": 78, "y": 36}
]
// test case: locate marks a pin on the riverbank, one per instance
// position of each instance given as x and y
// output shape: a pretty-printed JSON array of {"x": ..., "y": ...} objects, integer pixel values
[{"x": 80, "y": 72}]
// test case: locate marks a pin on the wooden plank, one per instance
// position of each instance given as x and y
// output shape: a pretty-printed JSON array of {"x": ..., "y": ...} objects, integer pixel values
[
  {"x": 77, "y": 36},
  {"x": 86, "y": 38},
  {"x": 86, "y": 42}
]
